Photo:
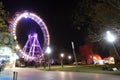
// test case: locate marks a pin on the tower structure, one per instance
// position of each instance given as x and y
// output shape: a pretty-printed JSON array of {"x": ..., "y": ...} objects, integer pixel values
[{"x": 32, "y": 46}]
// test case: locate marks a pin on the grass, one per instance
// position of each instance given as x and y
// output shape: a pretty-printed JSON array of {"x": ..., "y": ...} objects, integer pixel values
[{"x": 84, "y": 68}]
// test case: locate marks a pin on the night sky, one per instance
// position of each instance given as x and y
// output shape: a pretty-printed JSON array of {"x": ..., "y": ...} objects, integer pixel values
[{"x": 57, "y": 14}]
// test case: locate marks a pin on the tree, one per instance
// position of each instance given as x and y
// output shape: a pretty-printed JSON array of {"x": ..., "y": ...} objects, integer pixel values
[
  {"x": 5, "y": 37},
  {"x": 97, "y": 16},
  {"x": 3, "y": 19}
]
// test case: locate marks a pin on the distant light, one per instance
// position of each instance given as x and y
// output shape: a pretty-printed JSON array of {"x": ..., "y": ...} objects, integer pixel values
[
  {"x": 25, "y": 15},
  {"x": 62, "y": 55},
  {"x": 48, "y": 50},
  {"x": 101, "y": 62},
  {"x": 110, "y": 37},
  {"x": 17, "y": 47},
  {"x": 111, "y": 58},
  {"x": 15, "y": 37},
  {"x": 69, "y": 57}
]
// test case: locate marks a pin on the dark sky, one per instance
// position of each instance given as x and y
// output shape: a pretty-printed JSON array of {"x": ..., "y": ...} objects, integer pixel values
[{"x": 57, "y": 15}]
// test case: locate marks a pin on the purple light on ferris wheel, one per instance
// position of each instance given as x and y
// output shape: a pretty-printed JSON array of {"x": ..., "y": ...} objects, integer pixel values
[
  {"x": 32, "y": 46},
  {"x": 35, "y": 35},
  {"x": 25, "y": 15}
]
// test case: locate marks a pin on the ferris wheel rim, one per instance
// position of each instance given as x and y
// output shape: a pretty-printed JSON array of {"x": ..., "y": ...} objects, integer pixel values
[{"x": 38, "y": 20}]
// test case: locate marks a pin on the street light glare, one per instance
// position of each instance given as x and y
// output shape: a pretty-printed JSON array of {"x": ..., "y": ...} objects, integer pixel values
[
  {"x": 48, "y": 50},
  {"x": 62, "y": 55},
  {"x": 69, "y": 57},
  {"x": 110, "y": 37}
]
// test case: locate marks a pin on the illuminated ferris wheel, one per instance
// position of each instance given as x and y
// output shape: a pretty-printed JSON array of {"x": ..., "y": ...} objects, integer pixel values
[{"x": 32, "y": 49}]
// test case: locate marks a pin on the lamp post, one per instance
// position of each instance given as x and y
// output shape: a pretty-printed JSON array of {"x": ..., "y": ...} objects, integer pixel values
[
  {"x": 111, "y": 38},
  {"x": 62, "y": 55},
  {"x": 17, "y": 47},
  {"x": 74, "y": 54},
  {"x": 48, "y": 51}
]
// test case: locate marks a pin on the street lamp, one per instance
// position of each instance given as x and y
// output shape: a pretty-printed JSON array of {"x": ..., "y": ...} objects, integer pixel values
[
  {"x": 48, "y": 51},
  {"x": 74, "y": 54},
  {"x": 69, "y": 57},
  {"x": 62, "y": 55},
  {"x": 111, "y": 38},
  {"x": 17, "y": 47}
]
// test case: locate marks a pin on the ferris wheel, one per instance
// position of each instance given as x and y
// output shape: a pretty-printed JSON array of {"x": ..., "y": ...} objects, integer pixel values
[{"x": 32, "y": 49}]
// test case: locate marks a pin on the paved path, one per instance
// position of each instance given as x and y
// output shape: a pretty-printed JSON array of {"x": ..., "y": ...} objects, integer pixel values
[
  {"x": 6, "y": 74},
  {"x": 34, "y": 74}
]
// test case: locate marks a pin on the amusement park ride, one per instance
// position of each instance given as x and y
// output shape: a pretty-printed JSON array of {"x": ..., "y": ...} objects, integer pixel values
[{"x": 32, "y": 50}]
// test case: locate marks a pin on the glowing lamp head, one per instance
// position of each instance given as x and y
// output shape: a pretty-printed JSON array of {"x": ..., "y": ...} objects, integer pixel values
[
  {"x": 48, "y": 50},
  {"x": 62, "y": 55},
  {"x": 69, "y": 57},
  {"x": 110, "y": 37}
]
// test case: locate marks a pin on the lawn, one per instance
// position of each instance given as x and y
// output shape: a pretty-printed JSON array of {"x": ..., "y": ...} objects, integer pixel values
[{"x": 84, "y": 68}]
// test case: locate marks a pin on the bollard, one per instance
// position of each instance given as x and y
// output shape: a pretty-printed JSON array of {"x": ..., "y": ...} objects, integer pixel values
[{"x": 15, "y": 75}]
